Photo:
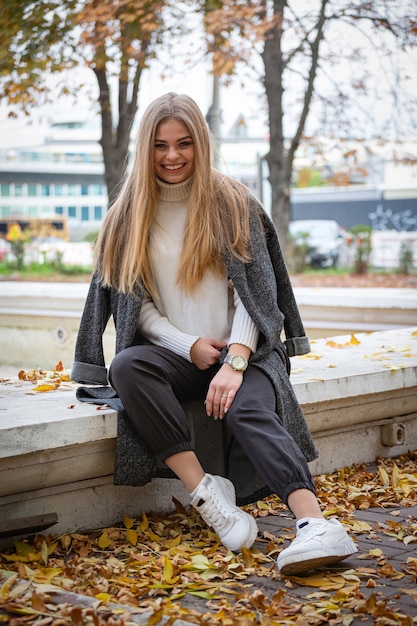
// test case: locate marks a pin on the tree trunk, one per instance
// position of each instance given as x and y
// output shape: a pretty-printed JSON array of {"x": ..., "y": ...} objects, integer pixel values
[
  {"x": 115, "y": 142},
  {"x": 278, "y": 170},
  {"x": 280, "y": 159},
  {"x": 112, "y": 149}
]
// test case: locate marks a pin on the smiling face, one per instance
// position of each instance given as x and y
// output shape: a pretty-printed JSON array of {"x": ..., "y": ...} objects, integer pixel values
[{"x": 173, "y": 151}]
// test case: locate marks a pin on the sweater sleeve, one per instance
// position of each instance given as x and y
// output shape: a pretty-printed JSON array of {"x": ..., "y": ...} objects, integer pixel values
[
  {"x": 244, "y": 330},
  {"x": 159, "y": 331}
]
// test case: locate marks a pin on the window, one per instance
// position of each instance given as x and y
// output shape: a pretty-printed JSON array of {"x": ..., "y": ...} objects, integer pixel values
[
  {"x": 45, "y": 190},
  {"x": 72, "y": 211},
  {"x": 98, "y": 212},
  {"x": 18, "y": 190},
  {"x": 5, "y": 189},
  {"x": 32, "y": 189},
  {"x": 74, "y": 190},
  {"x": 59, "y": 210},
  {"x": 85, "y": 214},
  {"x": 96, "y": 190},
  {"x": 59, "y": 190},
  {"x": 84, "y": 190}
]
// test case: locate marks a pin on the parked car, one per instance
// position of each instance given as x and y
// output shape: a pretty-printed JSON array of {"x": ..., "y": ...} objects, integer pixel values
[{"x": 325, "y": 240}]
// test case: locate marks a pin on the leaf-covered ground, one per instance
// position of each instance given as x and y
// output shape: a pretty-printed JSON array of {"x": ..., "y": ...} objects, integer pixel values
[{"x": 163, "y": 568}]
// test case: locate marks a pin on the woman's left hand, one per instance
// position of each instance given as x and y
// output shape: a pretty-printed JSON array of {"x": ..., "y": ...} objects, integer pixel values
[{"x": 222, "y": 390}]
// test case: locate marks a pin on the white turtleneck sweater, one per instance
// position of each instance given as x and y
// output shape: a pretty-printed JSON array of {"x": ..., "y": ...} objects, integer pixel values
[{"x": 175, "y": 319}]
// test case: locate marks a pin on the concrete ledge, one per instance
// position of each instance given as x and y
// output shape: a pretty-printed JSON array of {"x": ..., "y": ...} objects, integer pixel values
[
  {"x": 57, "y": 455},
  {"x": 39, "y": 321}
]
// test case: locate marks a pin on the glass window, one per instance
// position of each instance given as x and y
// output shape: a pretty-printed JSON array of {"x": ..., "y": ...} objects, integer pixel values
[
  {"x": 33, "y": 210},
  {"x": 59, "y": 210},
  {"x": 5, "y": 211},
  {"x": 32, "y": 189},
  {"x": 96, "y": 190},
  {"x": 85, "y": 213},
  {"x": 72, "y": 211},
  {"x": 46, "y": 190},
  {"x": 18, "y": 189},
  {"x": 98, "y": 212},
  {"x": 74, "y": 190},
  {"x": 84, "y": 190},
  {"x": 5, "y": 189},
  {"x": 59, "y": 190}
]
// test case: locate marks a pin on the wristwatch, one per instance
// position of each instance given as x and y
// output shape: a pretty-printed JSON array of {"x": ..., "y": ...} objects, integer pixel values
[{"x": 238, "y": 362}]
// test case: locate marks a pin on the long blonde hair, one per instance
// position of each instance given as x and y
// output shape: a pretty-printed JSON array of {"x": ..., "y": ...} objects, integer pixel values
[{"x": 217, "y": 216}]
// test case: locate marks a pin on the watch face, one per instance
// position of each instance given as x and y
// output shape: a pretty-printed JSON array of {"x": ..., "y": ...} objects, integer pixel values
[{"x": 238, "y": 362}]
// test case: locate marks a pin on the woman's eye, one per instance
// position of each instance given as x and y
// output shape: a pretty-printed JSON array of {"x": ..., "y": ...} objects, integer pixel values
[
  {"x": 160, "y": 146},
  {"x": 185, "y": 144}
]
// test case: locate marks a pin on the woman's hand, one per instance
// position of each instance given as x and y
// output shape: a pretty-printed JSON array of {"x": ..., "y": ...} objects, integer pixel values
[
  {"x": 222, "y": 391},
  {"x": 206, "y": 352}
]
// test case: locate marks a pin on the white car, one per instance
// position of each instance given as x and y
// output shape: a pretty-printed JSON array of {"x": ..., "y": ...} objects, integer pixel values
[{"x": 325, "y": 240}]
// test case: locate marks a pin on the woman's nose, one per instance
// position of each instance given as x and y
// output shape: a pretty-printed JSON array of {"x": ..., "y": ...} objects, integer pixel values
[{"x": 172, "y": 152}]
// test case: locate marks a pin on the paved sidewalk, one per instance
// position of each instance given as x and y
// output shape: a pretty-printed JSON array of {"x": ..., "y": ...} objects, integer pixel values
[
  {"x": 385, "y": 555},
  {"x": 387, "y": 593}
]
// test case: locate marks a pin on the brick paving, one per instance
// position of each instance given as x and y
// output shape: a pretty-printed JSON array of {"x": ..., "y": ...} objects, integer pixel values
[
  {"x": 398, "y": 606},
  {"x": 394, "y": 554}
]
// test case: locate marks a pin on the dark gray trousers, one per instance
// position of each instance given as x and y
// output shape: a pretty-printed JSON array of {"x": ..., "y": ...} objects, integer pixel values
[{"x": 152, "y": 382}]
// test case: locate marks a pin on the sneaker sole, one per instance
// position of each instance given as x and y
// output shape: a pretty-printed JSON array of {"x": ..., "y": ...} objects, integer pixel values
[{"x": 304, "y": 566}]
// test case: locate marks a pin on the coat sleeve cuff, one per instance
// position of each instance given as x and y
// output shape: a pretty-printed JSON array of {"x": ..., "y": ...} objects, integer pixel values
[
  {"x": 297, "y": 345},
  {"x": 89, "y": 374}
]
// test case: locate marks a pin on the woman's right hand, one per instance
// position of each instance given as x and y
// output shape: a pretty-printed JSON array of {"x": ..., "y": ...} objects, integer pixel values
[{"x": 206, "y": 352}]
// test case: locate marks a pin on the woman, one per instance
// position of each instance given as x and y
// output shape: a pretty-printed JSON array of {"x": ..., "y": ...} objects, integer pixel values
[{"x": 190, "y": 267}]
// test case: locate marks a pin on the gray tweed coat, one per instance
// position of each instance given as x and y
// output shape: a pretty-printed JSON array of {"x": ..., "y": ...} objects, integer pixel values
[{"x": 265, "y": 289}]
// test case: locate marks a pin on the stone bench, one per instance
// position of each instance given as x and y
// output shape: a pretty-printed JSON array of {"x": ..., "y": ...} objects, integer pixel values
[{"x": 57, "y": 455}]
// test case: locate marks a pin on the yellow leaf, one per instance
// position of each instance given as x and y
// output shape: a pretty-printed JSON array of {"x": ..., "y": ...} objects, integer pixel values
[
  {"x": 247, "y": 557},
  {"x": 156, "y": 618},
  {"x": 409, "y": 539},
  {"x": 44, "y": 552},
  {"x": 326, "y": 583},
  {"x": 128, "y": 522},
  {"x": 46, "y": 575},
  {"x": 168, "y": 570},
  {"x": 376, "y": 552},
  {"x": 144, "y": 524},
  {"x": 353, "y": 340},
  {"x": 396, "y": 474},
  {"x": 104, "y": 541},
  {"x": 6, "y": 586},
  {"x": 383, "y": 476},
  {"x": 44, "y": 387},
  {"x": 200, "y": 562},
  {"x": 173, "y": 543},
  {"x": 103, "y": 597},
  {"x": 132, "y": 536}
]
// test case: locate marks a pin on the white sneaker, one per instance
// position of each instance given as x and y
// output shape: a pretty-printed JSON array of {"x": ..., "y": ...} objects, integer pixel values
[
  {"x": 214, "y": 498},
  {"x": 318, "y": 542}
]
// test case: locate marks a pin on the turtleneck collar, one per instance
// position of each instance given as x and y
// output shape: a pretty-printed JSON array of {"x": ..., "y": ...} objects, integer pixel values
[{"x": 174, "y": 192}]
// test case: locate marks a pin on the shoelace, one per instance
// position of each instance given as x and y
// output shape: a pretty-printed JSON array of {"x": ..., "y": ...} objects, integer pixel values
[{"x": 218, "y": 516}]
